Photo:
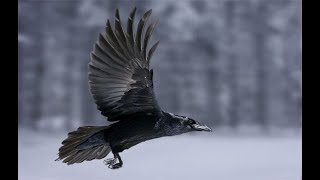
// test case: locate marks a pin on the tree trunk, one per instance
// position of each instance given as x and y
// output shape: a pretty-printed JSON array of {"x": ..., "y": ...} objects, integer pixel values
[
  {"x": 232, "y": 64},
  {"x": 260, "y": 44},
  {"x": 39, "y": 45}
]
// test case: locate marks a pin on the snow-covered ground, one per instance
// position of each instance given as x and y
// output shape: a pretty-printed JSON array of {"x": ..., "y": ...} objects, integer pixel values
[{"x": 173, "y": 158}]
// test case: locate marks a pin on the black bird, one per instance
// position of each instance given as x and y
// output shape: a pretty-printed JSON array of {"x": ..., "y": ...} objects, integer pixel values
[{"x": 121, "y": 83}]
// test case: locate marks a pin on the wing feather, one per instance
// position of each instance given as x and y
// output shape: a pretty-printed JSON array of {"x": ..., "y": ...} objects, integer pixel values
[{"x": 119, "y": 76}]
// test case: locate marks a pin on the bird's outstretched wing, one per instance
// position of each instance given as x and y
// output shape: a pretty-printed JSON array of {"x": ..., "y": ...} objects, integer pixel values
[{"x": 119, "y": 76}]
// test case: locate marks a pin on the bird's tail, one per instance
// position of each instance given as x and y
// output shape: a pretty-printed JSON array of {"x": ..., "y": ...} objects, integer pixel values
[{"x": 86, "y": 143}]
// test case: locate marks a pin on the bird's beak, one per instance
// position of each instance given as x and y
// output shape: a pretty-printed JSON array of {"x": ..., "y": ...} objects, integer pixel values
[{"x": 200, "y": 127}]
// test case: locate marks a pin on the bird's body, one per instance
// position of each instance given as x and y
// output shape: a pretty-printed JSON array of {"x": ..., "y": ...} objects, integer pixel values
[
  {"x": 121, "y": 83},
  {"x": 125, "y": 134}
]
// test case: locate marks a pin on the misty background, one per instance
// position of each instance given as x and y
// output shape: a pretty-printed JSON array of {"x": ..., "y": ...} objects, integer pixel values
[{"x": 234, "y": 65}]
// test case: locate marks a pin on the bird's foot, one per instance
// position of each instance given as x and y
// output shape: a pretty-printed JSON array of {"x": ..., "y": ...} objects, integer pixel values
[
  {"x": 113, "y": 163},
  {"x": 110, "y": 161},
  {"x": 115, "y": 166}
]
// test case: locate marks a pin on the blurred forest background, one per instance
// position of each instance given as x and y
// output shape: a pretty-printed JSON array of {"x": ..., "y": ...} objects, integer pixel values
[{"x": 232, "y": 64}]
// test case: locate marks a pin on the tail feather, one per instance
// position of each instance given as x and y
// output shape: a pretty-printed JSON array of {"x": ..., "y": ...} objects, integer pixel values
[{"x": 86, "y": 143}]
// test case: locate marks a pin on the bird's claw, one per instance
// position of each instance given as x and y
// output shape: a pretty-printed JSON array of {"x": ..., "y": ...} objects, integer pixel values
[
  {"x": 112, "y": 163},
  {"x": 115, "y": 166}
]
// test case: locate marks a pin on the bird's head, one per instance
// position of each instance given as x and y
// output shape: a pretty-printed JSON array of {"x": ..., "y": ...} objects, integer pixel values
[{"x": 190, "y": 124}]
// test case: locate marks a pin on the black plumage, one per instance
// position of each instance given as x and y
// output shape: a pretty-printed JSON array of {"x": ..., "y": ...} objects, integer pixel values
[{"x": 121, "y": 83}]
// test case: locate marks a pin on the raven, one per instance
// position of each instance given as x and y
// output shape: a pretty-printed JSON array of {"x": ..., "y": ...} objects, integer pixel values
[{"x": 121, "y": 83}]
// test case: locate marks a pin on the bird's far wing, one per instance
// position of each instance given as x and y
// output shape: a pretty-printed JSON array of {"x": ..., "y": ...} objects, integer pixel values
[{"x": 119, "y": 76}]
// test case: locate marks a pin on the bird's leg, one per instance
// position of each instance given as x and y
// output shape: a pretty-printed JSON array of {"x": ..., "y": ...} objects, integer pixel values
[{"x": 114, "y": 163}]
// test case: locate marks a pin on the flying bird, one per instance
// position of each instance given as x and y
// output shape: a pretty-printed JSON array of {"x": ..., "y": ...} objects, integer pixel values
[{"x": 121, "y": 82}]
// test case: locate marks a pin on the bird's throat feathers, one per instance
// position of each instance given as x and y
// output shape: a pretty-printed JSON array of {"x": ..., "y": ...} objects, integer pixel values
[{"x": 171, "y": 125}]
